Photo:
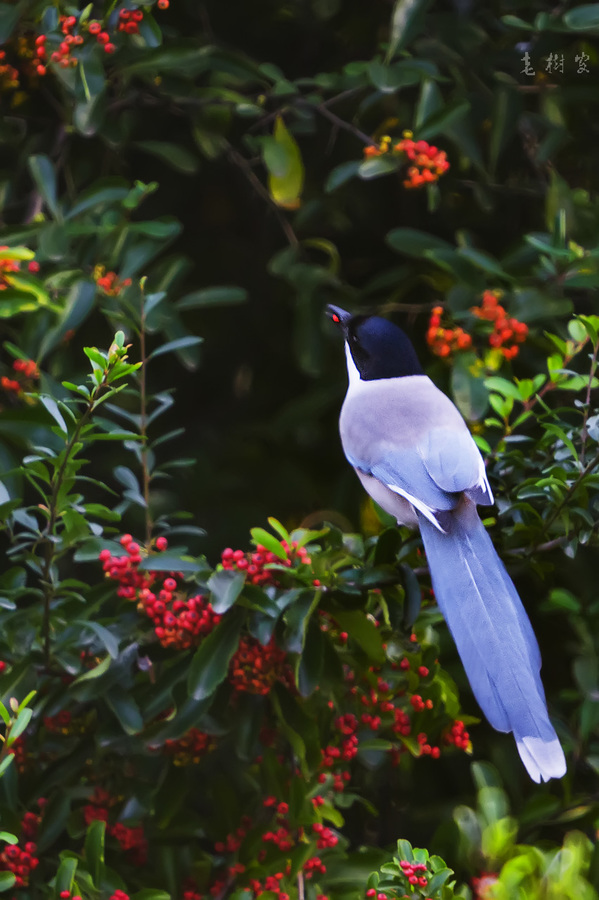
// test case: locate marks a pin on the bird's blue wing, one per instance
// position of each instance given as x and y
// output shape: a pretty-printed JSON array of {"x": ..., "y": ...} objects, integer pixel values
[{"x": 453, "y": 461}]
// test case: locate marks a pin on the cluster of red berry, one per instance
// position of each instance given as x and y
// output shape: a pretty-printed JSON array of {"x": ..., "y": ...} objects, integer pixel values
[
  {"x": 428, "y": 162},
  {"x": 22, "y": 860},
  {"x": 444, "y": 341},
  {"x": 30, "y": 823},
  {"x": 190, "y": 748},
  {"x": 325, "y": 837},
  {"x": 403, "y": 717},
  {"x": 253, "y": 564},
  {"x": 63, "y": 56},
  {"x": 271, "y": 884},
  {"x": 255, "y": 668},
  {"x": 131, "y": 839},
  {"x": 129, "y": 20},
  {"x": 507, "y": 332},
  {"x": 334, "y": 759},
  {"x": 25, "y": 368},
  {"x": 109, "y": 282},
  {"x": 415, "y": 873},
  {"x": 133, "y": 842},
  {"x": 179, "y": 622},
  {"x": 458, "y": 736},
  {"x": 314, "y": 866}
]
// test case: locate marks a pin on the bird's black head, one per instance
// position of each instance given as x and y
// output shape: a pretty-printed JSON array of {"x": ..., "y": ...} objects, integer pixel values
[{"x": 379, "y": 348}]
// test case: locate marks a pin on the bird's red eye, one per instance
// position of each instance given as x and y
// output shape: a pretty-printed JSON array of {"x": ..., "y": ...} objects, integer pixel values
[{"x": 335, "y": 318}]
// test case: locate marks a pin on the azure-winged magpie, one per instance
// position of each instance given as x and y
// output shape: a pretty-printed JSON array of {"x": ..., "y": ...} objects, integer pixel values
[{"x": 413, "y": 453}]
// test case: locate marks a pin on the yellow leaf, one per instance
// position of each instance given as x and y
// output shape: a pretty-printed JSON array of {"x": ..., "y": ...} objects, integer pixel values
[{"x": 285, "y": 167}]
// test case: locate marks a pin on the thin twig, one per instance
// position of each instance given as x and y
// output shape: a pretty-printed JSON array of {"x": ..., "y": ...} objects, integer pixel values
[
  {"x": 337, "y": 120},
  {"x": 143, "y": 423},
  {"x": 241, "y": 162}
]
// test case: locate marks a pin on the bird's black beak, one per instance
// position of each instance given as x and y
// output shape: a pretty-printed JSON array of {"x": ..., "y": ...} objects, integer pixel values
[{"x": 339, "y": 316}]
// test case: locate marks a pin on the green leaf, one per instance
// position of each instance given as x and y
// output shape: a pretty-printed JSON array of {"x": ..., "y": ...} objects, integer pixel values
[
  {"x": 283, "y": 160},
  {"x": 101, "y": 193},
  {"x": 174, "y": 155},
  {"x": 377, "y": 166},
  {"x": 126, "y": 710},
  {"x": 44, "y": 176},
  {"x": 502, "y": 386},
  {"x": 8, "y": 838},
  {"x": 9, "y": 16},
  {"x": 415, "y": 243},
  {"x": 94, "y": 851},
  {"x": 7, "y": 880},
  {"x": 169, "y": 562},
  {"x": 210, "y": 663},
  {"x": 297, "y": 618},
  {"x": 225, "y": 587},
  {"x": 215, "y": 296},
  {"x": 178, "y": 344},
  {"x": 438, "y": 880},
  {"x": 429, "y": 102},
  {"x": 96, "y": 672},
  {"x": 108, "y": 639},
  {"x": 405, "y": 21},
  {"x": 483, "y": 261},
  {"x": 443, "y": 119},
  {"x": 308, "y": 669},
  {"x": 361, "y": 629},
  {"x": 268, "y": 540},
  {"x": 469, "y": 392},
  {"x": 341, "y": 174},
  {"x": 583, "y": 17},
  {"x": 6, "y": 762},
  {"x": 64, "y": 877},
  {"x": 21, "y": 723},
  {"x": 51, "y": 406},
  {"x": 150, "y": 894}
]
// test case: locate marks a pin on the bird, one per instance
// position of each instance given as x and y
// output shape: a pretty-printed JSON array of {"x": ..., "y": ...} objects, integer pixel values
[{"x": 413, "y": 453}]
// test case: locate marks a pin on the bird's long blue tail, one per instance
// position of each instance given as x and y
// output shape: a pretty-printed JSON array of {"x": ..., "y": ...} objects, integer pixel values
[{"x": 493, "y": 635}]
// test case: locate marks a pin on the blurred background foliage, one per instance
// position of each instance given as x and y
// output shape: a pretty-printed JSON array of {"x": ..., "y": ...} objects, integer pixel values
[{"x": 218, "y": 153}]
